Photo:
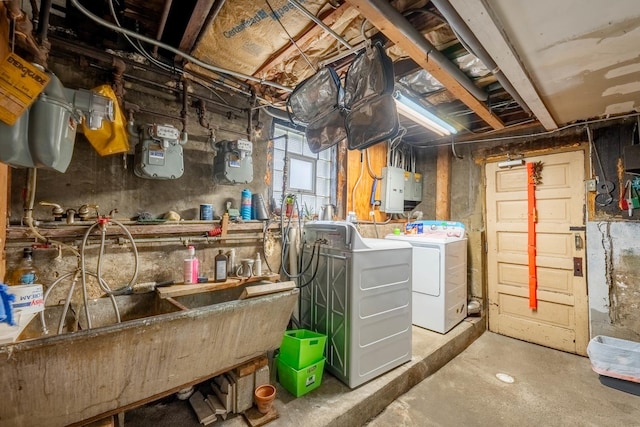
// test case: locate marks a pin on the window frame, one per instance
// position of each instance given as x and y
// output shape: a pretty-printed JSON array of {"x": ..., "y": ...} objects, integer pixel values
[
  {"x": 314, "y": 170},
  {"x": 329, "y": 156}
]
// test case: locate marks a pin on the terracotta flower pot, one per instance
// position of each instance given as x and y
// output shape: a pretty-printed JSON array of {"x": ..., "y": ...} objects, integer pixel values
[{"x": 263, "y": 396}]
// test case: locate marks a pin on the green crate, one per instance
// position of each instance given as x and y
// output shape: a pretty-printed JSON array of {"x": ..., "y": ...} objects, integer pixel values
[
  {"x": 300, "y": 381},
  {"x": 301, "y": 348}
]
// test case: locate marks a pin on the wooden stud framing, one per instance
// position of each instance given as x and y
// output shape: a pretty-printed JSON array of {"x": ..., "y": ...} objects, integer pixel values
[
  {"x": 443, "y": 184},
  {"x": 4, "y": 169}
]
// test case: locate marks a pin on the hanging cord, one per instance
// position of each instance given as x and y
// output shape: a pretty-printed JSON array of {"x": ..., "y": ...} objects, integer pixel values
[
  {"x": 355, "y": 186},
  {"x": 315, "y": 270},
  {"x": 369, "y": 169}
]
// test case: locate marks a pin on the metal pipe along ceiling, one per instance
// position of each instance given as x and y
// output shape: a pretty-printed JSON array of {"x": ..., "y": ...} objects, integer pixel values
[
  {"x": 462, "y": 30},
  {"x": 153, "y": 42},
  {"x": 433, "y": 54},
  {"x": 162, "y": 24},
  {"x": 319, "y": 22}
]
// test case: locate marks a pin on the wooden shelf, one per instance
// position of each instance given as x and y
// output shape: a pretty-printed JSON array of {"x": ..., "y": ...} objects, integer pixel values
[
  {"x": 180, "y": 290},
  {"x": 183, "y": 228}
]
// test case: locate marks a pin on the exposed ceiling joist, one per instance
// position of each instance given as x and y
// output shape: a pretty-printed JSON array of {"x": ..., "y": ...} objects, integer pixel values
[
  {"x": 314, "y": 32},
  {"x": 383, "y": 22},
  {"x": 481, "y": 22},
  {"x": 198, "y": 19}
]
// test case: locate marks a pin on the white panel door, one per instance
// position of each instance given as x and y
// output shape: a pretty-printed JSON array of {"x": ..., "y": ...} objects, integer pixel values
[{"x": 561, "y": 320}]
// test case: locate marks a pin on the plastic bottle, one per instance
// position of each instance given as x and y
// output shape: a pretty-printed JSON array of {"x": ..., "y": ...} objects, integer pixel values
[
  {"x": 220, "y": 270},
  {"x": 245, "y": 204},
  {"x": 231, "y": 262},
  {"x": 25, "y": 273},
  {"x": 257, "y": 265},
  {"x": 191, "y": 267}
]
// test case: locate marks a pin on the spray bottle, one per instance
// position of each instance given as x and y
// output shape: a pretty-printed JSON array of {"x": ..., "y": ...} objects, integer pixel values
[
  {"x": 191, "y": 267},
  {"x": 257, "y": 265}
]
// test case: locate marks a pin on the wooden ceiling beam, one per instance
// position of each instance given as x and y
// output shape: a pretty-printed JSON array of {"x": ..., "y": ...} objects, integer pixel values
[
  {"x": 314, "y": 32},
  {"x": 199, "y": 17},
  {"x": 415, "y": 52}
]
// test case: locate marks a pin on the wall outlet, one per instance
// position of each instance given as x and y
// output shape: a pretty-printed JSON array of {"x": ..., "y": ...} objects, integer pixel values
[{"x": 591, "y": 184}]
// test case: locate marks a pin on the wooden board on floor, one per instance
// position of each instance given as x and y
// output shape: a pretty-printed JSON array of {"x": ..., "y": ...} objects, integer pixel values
[
  {"x": 251, "y": 366},
  {"x": 256, "y": 419}
]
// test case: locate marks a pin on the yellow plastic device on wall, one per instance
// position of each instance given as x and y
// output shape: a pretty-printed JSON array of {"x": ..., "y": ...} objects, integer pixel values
[{"x": 112, "y": 137}]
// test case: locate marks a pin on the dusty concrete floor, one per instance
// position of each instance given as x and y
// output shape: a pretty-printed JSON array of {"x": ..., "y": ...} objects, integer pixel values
[
  {"x": 550, "y": 388},
  {"x": 333, "y": 403}
]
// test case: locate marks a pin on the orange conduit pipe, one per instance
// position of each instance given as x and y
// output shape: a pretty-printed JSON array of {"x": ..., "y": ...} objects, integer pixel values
[{"x": 532, "y": 219}]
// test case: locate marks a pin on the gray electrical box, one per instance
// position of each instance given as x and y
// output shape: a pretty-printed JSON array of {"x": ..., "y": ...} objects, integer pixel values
[
  {"x": 159, "y": 153},
  {"x": 233, "y": 163},
  {"x": 392, "y": 192},
  {"x": 412, "y": 186}
]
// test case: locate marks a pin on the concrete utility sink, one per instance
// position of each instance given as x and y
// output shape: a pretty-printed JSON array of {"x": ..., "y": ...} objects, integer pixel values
[{"x": 159, "y": 348}]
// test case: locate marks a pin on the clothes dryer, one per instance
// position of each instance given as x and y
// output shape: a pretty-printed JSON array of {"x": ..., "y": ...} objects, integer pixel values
[{"x": 439, "y": 273}]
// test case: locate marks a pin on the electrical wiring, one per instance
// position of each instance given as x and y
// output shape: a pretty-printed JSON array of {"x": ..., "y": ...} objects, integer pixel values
[
  {"x": 355, "y": 186},
  {"x": 138, "y": 47},
  {"x": 368, "y": 157},
  {"x": 196, "y": 61},
  {"x": 529, "y": 135}
]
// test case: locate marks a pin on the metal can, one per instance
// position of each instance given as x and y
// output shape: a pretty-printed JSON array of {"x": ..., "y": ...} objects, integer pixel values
[{"x": 206, "y": 212}]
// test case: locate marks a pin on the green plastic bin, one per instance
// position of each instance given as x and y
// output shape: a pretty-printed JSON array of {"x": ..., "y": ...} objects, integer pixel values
[
  {"x": 300, "y": 381},
  {"x": 301, "y": 348}
]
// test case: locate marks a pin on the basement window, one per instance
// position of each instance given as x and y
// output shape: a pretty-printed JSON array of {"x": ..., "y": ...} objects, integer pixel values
[{"x": 311, "y": 176}]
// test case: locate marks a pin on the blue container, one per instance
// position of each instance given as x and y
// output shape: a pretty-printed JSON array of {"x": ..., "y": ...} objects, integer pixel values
[
  {"x": 206, "y": 212},
  {"x": 245, "y": 204}
]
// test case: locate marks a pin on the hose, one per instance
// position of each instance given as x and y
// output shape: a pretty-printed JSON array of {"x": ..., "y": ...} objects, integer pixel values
[
  {"x": 315, "y": 271},
  {"x": 101, "y": 282},
  {"x": 76, "y": 273}
]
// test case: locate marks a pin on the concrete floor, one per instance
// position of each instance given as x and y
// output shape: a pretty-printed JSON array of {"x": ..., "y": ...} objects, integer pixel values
[
  {"x": 550, "y": 388},
  {"x": 436, "y": 388},
  {"x": 333, "y": 403}
]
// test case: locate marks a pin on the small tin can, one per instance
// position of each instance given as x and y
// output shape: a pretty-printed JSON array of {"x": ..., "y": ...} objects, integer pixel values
[{"x": 206, "y": 212}]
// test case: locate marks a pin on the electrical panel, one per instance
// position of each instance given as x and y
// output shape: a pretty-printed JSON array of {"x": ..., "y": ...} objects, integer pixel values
[
  {"x": 233, "y": 163},
  {"x": 159, "y": 154},
  {"x": 412, "y": 186},
  {"x": 392, "y": 192}
]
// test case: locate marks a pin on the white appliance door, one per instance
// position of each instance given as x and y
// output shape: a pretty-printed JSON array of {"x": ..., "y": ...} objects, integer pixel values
[{"x": 426, "y": 270}]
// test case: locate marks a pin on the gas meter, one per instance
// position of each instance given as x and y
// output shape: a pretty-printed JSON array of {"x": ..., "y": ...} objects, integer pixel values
[
  {"x": 159, "y": 153},
  {"x": 233, "y": 163}
]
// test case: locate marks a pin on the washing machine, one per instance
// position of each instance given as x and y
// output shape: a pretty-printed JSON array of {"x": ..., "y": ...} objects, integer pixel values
[
  {"x": 357, "y": 291},
  {"x": 439, "y": 273}
]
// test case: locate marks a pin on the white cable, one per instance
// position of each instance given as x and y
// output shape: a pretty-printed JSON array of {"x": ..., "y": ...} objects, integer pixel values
[{"x": 171, "y": 49}]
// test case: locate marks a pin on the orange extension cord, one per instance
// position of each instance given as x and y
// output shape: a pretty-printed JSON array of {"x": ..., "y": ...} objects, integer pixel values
[{"x": 532, "y": 219}]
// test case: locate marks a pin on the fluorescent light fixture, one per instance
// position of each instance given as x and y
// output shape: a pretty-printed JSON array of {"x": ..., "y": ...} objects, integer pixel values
[
  {"x": 416, "y": 112},
  {"x": 511, "y": 163}
]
